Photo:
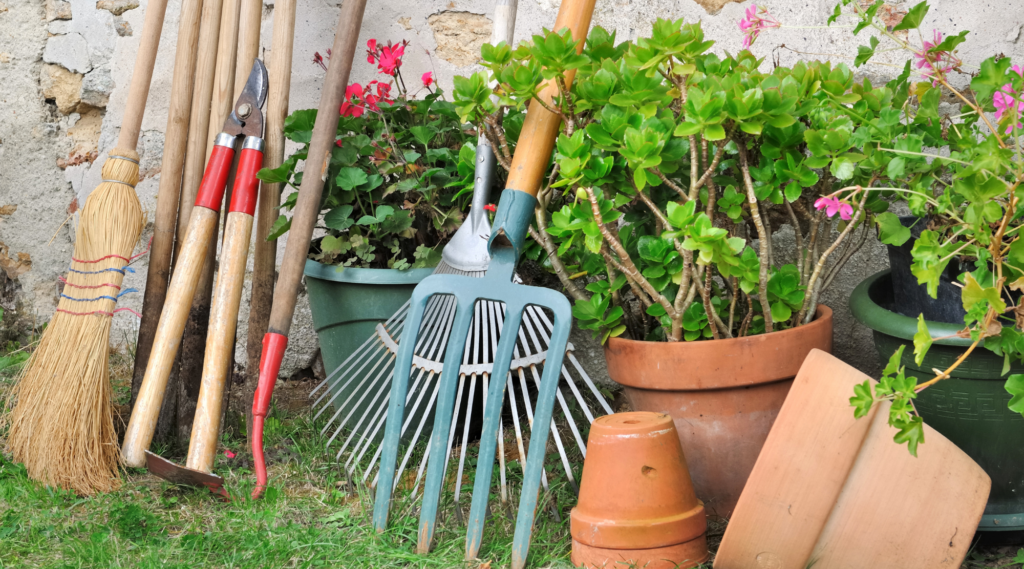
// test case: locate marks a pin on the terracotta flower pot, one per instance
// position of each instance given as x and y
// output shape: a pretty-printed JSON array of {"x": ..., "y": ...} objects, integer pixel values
[
  {"x": 837, "y": 492},
  {"x": 637, "y": 505},
  {"x": 724, "y": 396}
]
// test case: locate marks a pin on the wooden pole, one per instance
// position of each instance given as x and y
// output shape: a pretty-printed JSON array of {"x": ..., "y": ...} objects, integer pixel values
[
  {"x": 187, "y": 378},
  {"x": 175, "y": 137},
  {"x": 279, "y": 69}
]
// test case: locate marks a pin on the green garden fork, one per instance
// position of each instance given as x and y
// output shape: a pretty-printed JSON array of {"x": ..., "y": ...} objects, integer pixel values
[{"x": 513, "y": 218}]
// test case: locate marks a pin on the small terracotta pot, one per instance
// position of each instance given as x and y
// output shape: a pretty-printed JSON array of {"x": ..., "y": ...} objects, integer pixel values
[
  {"x": 637, "y": 503},
  {"x": 837, "y": 492},
  {"x": 724, "y": 396}
]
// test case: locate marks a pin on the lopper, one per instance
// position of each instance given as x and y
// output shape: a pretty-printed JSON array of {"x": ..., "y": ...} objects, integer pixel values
[
  {"x": 246, "y": 122},
  {"x": 514, "y": 215}
]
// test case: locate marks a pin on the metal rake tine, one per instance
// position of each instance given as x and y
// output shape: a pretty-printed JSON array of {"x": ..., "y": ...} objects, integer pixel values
[
  {"x": 479, "y": 341},
  {"x": 384, "y": 385},
  {"x": 399, "y": 386},
  {"x": 426, "y": 413},
  {"x": 492, "y": 311},
  {"x": 341, "y": 408},
  {"x": 443, "y": 419},
  {"x": 489, "y": 432},
  {"x": 532, "y": 321},
  {"x": 416, "y": 436},
  {"x": 458, "y": 399},
  {"x": 538, "y": 438},
  {"x": 529, "y": 419},
  {"x": 565, "y": 409},
  {"x": 555, "y": 434},
  {"x": 378, "y": 351},
  {"x": 576, "y": 364},
  {"x": 378, "y": 420},
  {"x": 400, "y": 311}
]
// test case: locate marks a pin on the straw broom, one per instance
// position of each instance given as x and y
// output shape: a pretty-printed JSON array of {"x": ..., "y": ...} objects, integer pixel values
[{"x": 61, "y": 425}]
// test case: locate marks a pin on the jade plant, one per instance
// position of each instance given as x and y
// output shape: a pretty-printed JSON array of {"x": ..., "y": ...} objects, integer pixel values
[
  {"x": 676, "y": 166},
  {"x": 960, "y": 169},
  {"x": 401, "y": 165}
]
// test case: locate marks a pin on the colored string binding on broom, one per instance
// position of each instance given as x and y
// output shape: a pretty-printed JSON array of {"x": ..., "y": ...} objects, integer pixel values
[{"x": 126, "y": 269}]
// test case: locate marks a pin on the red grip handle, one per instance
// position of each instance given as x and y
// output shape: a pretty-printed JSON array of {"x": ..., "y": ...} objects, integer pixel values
[
  {"x": 243, "y": 196},
  {"x": 211, "y": 189},
  {"x": 274, "y": 346}
]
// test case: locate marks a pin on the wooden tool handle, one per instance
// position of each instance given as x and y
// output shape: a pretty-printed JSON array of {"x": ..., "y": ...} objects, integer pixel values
[
  {"x": 220, "y": 343},
  {"x": 307, "y": 208},
  {"x": 142, "y": 424},
  {"x": 142, "y": 73},
  {"x": 537, "y": 139}
]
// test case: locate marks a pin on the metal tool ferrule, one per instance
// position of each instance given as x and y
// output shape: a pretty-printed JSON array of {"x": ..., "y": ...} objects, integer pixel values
[
  {"x": 511, "y": 221},
  {"x": 253, "y": 143},
  {"x": 225, "y": 139}
]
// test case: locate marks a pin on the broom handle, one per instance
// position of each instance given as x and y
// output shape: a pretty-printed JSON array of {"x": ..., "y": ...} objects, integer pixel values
[
  {"x": 145, "y": 60},
  {"x": 540, "y": 129},
  {"x": 325, "y": 129}
]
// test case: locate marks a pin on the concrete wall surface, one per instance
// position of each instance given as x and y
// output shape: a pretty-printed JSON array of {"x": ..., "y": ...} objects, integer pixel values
[{"x": 65, "y": 66}]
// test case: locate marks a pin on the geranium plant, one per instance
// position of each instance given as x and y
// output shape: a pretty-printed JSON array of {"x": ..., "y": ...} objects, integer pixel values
[
  {"x": 401, "y": 165},
  {"x": 961, "y": 172},
  {"x": 676, "y": 167}
]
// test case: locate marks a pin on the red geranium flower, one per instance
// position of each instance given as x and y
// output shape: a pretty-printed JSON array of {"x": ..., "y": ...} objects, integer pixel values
[
  {"x": 491, "y": 208},
  {"x": 371, "y": 50},
  {"x": 428, "y": 79},
  {"x": 390, "y": 59},
  {"x": 352, "y": 94}
]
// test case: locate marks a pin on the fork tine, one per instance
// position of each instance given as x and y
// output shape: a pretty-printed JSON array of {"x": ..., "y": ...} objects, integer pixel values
[
  {"x": 442, "y": 418},
  {"x": 396, "y": 407},
  {"x": 489, "y": 433},
  {"x": 541, "y": 421}
]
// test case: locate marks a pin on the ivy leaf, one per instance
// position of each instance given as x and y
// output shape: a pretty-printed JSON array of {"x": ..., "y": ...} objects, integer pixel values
[
  {"x": 1015, "y": 387},
  {"x": 912, "y": 21},
  {"x": 891, "y": 231},
  {"x": 922, "y": 340},
  {"x": 973, "y": 293},
  {"x": 911, "y": 433},
  {"x": 862, "y": 399},
  {"x": 281, "y": 226}
]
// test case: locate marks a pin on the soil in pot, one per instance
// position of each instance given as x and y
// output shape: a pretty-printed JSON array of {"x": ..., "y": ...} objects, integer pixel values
[
  {"x": 723, "y": 395},
  {"x": 911, "y": 298},
  {"x": 969, "y": 408}
]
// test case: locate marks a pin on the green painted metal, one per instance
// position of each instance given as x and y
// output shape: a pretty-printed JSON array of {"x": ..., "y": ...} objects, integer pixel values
[
  {"x": 512, "y": 219},
  {"x": 969, "y": 408},
  {"x": 348, "y": 304}
]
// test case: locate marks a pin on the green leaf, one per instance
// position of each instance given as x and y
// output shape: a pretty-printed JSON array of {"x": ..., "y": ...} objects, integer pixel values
[
  {"x": 339, "y": 218},
  {"x": 862, "y": 399},
  {"x": 350, "y": 178},
  {"x": 973, "y": 293},
  {"x": 922, "y": 340},
  {"x": 714, "y": 132},
  {"x": 891, "y": 231},
  {"x": 842, "y": 168},
  {"x": 1015, "y": 387},
  {"x": 281, "y": 226},
  {"x": 911, "y": 433},
  {"x": 912, "y": 21},
  {"x": 781, "y": 312}
]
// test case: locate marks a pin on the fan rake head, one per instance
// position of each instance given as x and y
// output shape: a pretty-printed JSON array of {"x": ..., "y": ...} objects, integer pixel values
[{"x": 514, "y": 214}]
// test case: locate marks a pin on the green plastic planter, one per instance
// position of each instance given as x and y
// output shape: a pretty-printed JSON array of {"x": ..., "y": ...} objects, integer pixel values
[
  {"x": 347, "y": 305},
  {"x": 969, "y": 408}
]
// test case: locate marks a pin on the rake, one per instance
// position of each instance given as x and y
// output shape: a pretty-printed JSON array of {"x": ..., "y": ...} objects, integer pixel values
[
  {"x": 358, "y": 389},
  {"x": 474, "y": 300}
]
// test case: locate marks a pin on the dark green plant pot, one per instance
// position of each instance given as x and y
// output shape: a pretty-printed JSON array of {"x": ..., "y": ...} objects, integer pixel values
[
  {"x": 969, "y": 408},
  {"x": 347, "y": 305}
]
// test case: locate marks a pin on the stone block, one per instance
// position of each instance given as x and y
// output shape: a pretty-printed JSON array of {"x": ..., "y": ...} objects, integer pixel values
[
  {"x": 96, "y": 87},
  {"x": 62, "y": 86},
  {"x": 70, "y": 51},
  {"x": 117, "y": 7},
  {"x": 459, "y": 36},
  {"x": 57, "y": 10}
]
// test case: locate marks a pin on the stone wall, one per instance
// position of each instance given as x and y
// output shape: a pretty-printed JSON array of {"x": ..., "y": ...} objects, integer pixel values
[{"x": 65, "y": 67}]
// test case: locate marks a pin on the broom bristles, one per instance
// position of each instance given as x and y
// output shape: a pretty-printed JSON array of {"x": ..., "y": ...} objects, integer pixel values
[{"x": 61, "y": 414}]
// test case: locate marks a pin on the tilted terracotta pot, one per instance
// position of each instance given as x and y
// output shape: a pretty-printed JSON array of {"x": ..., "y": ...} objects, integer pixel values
[
  {"x": 835, "y": 492},
  {"x": 637, "y": 505},
  {"x": 724, "y": 396}
]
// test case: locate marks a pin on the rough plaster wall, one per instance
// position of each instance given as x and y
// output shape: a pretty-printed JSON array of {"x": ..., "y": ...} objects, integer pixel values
[{"x": 78, "y": 55}]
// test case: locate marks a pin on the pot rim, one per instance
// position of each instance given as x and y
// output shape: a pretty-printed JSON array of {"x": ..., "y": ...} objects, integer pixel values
[
  {"x": 882, "y": 320},
  {"x": 337, "y": 273},
  {"x": 822, "y": 315}
]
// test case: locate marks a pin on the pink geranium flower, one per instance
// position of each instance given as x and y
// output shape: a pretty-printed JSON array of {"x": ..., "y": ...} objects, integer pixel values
[
  {"x": 390, "y": 59},
  {"x": 428, "y": 79},
  {"x": 1005, "y": 99},
  {"x": 371, "y": 51},
  {"x": 936, "y": 63},
  {"x": 755, "y": 20},
  {"x": 832, "y": 206}
]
